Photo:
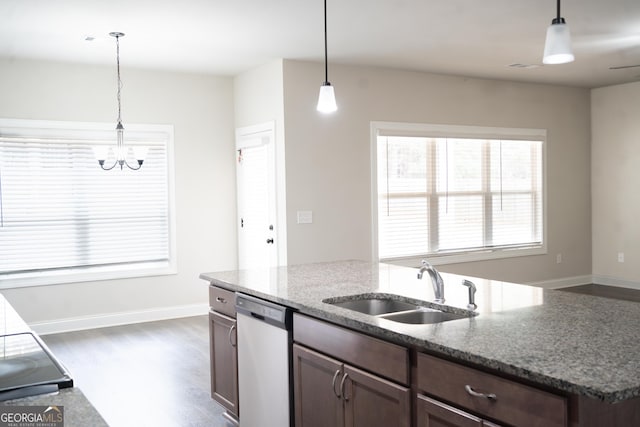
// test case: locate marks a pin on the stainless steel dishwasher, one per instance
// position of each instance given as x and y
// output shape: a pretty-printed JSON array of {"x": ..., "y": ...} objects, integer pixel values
[{"x": 264, "y": 363}]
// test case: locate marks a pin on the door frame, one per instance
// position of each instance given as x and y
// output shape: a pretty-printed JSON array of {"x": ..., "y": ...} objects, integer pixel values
[{"x": 268, "y": 130}]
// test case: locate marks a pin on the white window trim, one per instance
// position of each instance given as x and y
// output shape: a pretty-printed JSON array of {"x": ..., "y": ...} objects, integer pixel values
[
  {"x": 437, "y": 130},
  {"x": 74, "y": 275}
]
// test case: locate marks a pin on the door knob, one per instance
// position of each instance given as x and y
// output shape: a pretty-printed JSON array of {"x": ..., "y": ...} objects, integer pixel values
[{"x": 270, "y": 241}]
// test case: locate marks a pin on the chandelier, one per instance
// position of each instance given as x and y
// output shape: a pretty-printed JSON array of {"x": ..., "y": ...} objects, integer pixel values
[{"x": 121, "y": 152}]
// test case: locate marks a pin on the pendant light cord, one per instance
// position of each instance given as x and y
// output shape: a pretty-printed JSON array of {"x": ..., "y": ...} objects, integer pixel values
[
  {"x": 119, "y": 79},
  {"x": 501, "y": 192},
  {"x": 326, "y": 66},
  {"x": 558, "y": 10},
  {"x": 1, "y": 205}
]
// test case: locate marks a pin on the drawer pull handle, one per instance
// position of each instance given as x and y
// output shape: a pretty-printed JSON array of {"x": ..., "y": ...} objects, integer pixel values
[
  {"x": 221, "y": 300},
  {"x": 474, "y": 393},
  {"x": 333, "y": 383},
  {"x": 233, "y": 327},
  {"x": 342, "y": 391}
]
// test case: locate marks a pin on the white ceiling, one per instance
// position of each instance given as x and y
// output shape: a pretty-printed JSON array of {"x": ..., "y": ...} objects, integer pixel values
[{"x": 225, "y": 37}]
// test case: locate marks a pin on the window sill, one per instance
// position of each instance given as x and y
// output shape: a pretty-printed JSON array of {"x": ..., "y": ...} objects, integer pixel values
[
  {"x": 93, "y": 274},
  {"x": 459, "y": 258}
]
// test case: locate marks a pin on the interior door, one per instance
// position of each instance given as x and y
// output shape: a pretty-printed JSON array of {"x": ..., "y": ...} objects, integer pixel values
[{"x": 256, "y": 195}]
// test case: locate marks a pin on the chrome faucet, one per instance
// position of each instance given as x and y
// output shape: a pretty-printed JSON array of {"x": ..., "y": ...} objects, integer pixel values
[
  {"x": 472, "y": 294},
  {"x": 436, "y": 280}
]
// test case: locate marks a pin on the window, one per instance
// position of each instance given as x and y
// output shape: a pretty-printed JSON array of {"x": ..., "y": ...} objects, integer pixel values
[
  {"x": 63, "y": 219},
  {"x": 457, "y": 193}
]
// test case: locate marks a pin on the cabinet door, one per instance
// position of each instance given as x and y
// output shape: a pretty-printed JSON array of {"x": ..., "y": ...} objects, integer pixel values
[
  {"x": 372, "y": 401},
  {"x": 224, "y": 361},
  {"x": 432, "y": 413},
  {"x": 316, "y": 383}
]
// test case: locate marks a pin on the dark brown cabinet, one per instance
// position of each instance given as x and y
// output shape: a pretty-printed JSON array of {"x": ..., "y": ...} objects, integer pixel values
[
  {"x": 330, "y": 390},
  {"x": 224, "y": 358},
  {"x": 374, "y": 401},
  {"x": 484, "y": 394},
  {"x": 432, "y": 413},
  {"x": 315, "y": 381}
]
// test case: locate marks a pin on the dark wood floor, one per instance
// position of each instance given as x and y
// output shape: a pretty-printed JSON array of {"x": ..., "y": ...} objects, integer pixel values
[
  {"x": 615, "y": 292},
  {"x": 146, "y": 374}
]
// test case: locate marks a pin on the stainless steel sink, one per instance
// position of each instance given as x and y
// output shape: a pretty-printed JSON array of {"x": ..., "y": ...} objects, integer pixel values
[
  {"x": 424, "y": 316},
  {"x": 375, "y": 306},
  {"x": 400, "y": 309}
]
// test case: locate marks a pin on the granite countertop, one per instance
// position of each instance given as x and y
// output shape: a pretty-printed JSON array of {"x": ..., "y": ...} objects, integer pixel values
[
  {"x": 575, "y": 343},
  {"x": 78, "y": 411}
]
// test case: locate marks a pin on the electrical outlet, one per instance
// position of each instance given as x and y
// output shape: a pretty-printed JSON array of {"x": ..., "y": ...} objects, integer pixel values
[
  {"x": 620, "y": 256},
  {"x": 305, "y": 217},
  {"x": 558, "y": 258}
]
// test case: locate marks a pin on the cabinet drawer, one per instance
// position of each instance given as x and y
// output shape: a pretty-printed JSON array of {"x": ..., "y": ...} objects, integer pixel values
[
  {"x": 388, "y": 360},
  {"x": 222, "y": 301},
  {"x": 514, "y": 403}
]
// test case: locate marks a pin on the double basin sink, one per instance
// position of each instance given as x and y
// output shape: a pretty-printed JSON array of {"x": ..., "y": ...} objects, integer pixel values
[{"x": 400, "y": 309}]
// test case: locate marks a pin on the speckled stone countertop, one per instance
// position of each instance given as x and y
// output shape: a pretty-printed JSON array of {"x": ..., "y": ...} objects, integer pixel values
[
  {"x": 78, "y": 411},
  {"x": 575, "y": 343}
]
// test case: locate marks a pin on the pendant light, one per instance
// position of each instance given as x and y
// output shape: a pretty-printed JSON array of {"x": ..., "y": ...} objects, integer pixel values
[
  {"x": 327, "y": 97},
  {"x": 557, "y": 48},
  {"x": 121, "y": 151}
]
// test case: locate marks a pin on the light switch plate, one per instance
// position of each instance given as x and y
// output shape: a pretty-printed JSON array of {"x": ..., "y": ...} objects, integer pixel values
[{"x": 305, "y": 217}]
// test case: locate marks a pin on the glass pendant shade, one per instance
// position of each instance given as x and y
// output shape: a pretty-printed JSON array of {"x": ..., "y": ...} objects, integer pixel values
[
  {"x": 557, "y": 47},
  {"x": 327, "y": 99},
  {"x": 140, "y": 152},
  {"x": 101, "y": 152}
]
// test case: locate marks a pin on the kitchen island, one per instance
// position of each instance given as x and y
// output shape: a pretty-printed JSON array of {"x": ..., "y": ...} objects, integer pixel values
[{"x": 581, "y": 347}]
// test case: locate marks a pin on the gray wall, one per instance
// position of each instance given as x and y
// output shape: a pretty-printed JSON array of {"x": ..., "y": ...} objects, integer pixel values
[
  {"x": 328, "y": 158},
  {"x": 327, "y": 163},
  {"x": 201, "y": 109},
  {"x": 615, "y": 183}
]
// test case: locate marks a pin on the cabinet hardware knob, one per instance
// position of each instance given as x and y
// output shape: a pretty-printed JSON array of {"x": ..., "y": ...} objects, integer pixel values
[
  {"x": 344, "y": 395},
  {"x": 270, "y": 241},
  {"x": 233, "y": 327},
  {"x": 474, "y": 393},
  {"x": 221, "y": 300},
  {"x": 333, "y": 383}
]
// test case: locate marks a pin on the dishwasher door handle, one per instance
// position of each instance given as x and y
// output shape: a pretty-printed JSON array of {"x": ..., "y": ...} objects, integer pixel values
[
  {"x": 233, "y": 328},
  {"x": 257, "y": 316}
]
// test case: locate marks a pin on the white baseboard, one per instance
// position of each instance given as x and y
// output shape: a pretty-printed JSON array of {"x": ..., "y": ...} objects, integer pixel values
[
  {"x": 612, "y": 281},
  {"x": 564, "y": 282},
  {"x": 129, "y": 317},
  {"x": 585, "y": 280},
  {"x": 116, "y": 319}
]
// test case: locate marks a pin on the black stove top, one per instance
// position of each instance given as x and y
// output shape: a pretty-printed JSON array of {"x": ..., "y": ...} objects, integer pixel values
[{"x": 27, "y": 367}]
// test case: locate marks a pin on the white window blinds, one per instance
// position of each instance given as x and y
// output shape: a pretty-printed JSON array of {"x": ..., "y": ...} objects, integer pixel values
[
  {"x": 441, "y": 196},
  {"x": 60, "y": 211}
]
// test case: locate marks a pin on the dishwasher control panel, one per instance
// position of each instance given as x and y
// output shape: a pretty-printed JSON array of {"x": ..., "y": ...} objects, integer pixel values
[{"x": 261, "y": 309}]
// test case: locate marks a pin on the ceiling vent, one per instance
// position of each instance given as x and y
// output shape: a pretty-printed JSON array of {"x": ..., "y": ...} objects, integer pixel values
[{"x": 517, "y": 65}]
